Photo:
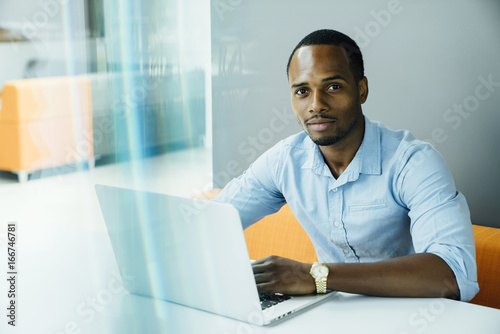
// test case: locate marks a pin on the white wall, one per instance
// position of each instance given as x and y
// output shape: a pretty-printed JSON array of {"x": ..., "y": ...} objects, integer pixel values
[{"x": 424, "y": 61}]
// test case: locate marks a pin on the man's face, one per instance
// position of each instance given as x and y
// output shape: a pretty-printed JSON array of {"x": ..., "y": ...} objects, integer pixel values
[{"x": 326, "y": 99}]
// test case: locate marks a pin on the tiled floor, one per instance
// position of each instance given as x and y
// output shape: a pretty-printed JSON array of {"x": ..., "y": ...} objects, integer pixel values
[{"x": 69, "y": 199}]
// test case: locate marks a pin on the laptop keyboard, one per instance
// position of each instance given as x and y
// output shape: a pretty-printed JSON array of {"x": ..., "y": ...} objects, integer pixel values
[{"x": 270, "y": 299}]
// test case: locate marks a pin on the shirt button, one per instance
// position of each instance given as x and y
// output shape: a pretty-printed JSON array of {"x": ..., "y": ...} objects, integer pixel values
[
  {"x": 336, "y": 224},
  {"x": 334, "y": 190},
  {"x": 346, "y": 250}
]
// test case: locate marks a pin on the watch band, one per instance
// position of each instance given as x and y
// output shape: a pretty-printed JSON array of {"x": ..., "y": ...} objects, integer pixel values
[{"x": 321, "y": 285}]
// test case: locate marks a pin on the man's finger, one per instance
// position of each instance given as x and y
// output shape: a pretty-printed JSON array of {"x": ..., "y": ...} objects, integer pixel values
[
  {"x": 259, "y": 261},
  {"x": 259, "y": 268},
  {"x": 267, "y": 287},
  {"x": 262, "y": 278},
  {"x": 266, "y": 259}
]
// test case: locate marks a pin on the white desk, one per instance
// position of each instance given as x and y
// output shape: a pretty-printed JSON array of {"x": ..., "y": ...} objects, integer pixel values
[{"x": 68, "y": 284}]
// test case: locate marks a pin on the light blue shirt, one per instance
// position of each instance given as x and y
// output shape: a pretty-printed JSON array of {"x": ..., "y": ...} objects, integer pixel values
[{"x": 396, "y": 197}]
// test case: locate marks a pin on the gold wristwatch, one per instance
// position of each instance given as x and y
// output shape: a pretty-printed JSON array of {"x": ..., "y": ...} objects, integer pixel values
[{"x": 319, "y": 271}]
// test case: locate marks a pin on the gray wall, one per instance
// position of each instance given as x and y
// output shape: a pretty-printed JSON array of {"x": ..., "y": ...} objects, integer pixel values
[{"x": 426, "y": 62}]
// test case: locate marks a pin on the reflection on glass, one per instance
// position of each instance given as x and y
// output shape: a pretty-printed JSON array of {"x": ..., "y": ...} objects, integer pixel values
[
  {"x": 155, "y": 78},
  {"x": 148, "y": 63}
]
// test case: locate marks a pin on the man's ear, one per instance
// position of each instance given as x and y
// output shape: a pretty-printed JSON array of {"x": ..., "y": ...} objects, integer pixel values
[{"x": 363, "y": 89}]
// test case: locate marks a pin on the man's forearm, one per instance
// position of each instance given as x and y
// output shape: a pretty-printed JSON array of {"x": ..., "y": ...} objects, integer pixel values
[{"x": 416, "y": 275}]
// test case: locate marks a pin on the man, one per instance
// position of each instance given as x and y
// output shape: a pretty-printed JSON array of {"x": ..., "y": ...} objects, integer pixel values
[{"x": 380, "y": 206}]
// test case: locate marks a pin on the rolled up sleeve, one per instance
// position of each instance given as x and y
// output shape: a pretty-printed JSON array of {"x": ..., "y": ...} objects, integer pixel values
[{"x": 440, "y": 218}]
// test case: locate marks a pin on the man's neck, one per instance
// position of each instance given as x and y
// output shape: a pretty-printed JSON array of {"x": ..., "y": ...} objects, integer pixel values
[{"x": 339, "y": 156}]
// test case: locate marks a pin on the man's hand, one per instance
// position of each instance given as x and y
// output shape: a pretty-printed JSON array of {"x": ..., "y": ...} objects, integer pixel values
[{"x": 278, "y": 274}]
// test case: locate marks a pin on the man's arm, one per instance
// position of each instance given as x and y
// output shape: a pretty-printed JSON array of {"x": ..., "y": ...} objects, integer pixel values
[
  {"x": 255, "y": 194},
  {"x": 416, "y": 275}
]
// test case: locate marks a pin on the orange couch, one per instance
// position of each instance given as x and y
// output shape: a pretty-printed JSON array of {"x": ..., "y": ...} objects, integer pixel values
[
  {"x": 45, "y": 123},
  {"x": 281, "y": 234},
  {"x": 488, "y": 265}
]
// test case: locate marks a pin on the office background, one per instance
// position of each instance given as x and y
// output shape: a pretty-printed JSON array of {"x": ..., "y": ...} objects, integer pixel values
[{"x": 220, "y": 86}]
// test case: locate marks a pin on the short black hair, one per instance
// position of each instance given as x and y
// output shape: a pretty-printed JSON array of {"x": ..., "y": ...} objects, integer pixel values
[{"x": 334, "y": 37}]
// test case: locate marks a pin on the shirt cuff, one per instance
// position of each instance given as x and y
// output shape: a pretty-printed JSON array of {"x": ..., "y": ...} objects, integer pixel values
[{"x": 463, "y": 265}]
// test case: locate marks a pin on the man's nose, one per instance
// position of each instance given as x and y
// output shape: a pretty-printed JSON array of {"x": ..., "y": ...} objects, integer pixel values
[{"x": 318, "y": 104}]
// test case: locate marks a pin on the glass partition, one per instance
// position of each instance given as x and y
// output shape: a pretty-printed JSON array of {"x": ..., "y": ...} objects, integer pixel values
[{"x": 148, "y": 64}]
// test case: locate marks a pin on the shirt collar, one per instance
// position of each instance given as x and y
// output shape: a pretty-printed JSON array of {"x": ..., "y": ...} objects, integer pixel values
[
  {"x": 369, "y": 151},
  {"x": 315, "y": 159},
  {"x": 366, "y": 161}
]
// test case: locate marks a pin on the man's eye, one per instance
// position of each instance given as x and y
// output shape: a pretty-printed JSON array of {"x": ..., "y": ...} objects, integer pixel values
[
  {"x": 333, "y": 87},
  {"x": 301, "y": 91}
]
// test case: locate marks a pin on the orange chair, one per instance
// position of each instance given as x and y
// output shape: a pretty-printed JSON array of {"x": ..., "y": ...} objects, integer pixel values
[
  {"x": 488, "y": 265},
  {"x": 281, "y": 234},
  {"x": 45, "y": 123}
]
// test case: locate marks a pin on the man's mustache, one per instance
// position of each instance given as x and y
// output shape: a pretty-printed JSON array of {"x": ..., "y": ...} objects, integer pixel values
[{"x": 319, "y": 116}]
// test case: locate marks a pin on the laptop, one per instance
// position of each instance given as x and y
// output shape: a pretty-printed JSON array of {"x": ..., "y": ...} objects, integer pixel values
[{"x": 190, "y": 252}]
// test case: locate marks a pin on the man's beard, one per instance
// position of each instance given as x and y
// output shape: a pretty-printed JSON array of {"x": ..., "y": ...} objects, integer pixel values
[
  {"x": 337, "y": 136},
  {"x": 329, "y": 140}
]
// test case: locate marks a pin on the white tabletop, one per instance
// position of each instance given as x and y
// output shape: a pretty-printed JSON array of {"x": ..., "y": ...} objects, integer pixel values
[{"x": 68, "y": 282}]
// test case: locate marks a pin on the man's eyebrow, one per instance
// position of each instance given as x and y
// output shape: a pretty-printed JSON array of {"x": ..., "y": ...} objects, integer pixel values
[
  {"x": 333, "y": 77},
  {"x": 299, "y": 84}
]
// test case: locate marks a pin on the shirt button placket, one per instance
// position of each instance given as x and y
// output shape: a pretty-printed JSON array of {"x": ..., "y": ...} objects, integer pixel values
[
  {"x": 337, "y": 235},
  {"x": 338, "y": 221}
]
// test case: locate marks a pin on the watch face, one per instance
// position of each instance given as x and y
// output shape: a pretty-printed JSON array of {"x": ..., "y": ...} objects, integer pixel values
[{"x": 320, "y": 271}]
